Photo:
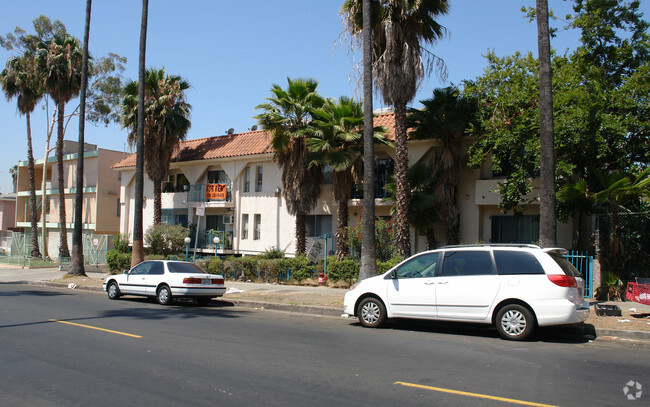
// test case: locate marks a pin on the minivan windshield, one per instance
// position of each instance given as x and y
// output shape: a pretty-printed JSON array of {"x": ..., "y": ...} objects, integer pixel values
[{"x": 566, "y": 266}]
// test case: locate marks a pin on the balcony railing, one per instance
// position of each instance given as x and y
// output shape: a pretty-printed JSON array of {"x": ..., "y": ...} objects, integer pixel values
[
  {"x": 209, "y": 193},
  {"x": 206, "y": 239},
  {"x": 380, "y": 181}
]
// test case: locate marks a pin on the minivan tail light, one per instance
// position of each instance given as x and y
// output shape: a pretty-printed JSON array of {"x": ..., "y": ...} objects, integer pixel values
[{"x": 563, "y": 280}]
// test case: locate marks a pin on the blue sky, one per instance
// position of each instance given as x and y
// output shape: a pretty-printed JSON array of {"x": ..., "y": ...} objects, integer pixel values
[{"x": 231, "y": 53}]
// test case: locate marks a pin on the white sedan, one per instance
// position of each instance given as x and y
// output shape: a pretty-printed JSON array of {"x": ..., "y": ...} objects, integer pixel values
[{"x": 164, "y": 280}]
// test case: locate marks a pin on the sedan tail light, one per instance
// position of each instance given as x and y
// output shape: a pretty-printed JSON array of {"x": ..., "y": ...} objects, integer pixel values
[
  {"x": 192, "y": 280},
  {"x": 563, "y": 280},
  {"x": 218, "y": 281}
]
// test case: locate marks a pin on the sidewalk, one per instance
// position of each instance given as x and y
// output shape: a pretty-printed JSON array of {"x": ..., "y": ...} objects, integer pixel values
[{"x": 325, "y": 301}]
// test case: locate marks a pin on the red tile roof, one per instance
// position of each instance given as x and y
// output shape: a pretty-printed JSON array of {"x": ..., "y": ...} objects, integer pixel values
[{"x": 240, "y": 144}]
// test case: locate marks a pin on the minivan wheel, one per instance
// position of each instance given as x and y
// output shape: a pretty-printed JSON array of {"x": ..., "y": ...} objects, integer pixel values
[
  {"x": 515, "y": 322},
  {"x": 371, "y": 312}
]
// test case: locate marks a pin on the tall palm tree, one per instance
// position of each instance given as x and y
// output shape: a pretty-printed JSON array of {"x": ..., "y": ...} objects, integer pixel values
[
  {"x": 287, "y": 114},
  {"x": 60, "y": 60},
  {"x": 400, "y": 61},
  {"x": 137, "y": 253},
  {"x": 547, "y": 221},
  {"x": 336, "y": 140},
  {"x": 19, "y": 79},
  {"x": 166, "y": 124},
  {"x": 77, "y": 263},
  {"x": 446, "y": 117}
]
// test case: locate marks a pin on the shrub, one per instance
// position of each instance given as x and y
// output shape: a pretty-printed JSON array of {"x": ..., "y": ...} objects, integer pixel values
[
  {"x": 165, "y": 239},
  {"x": 345, "y": 270},
  {"x": 384, "y": 266},
  {"x": 384, "y": 239},
  {"x": 117, "y": 261},
  {"x": 121, "y": 243},
  {"x": 215, "y": 266},
  {"x": 273, "y": 253},
  {"x": 238, "y": 266}
]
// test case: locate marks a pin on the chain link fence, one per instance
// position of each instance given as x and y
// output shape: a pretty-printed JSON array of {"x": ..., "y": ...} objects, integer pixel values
[{"x": 623, "y": 244}]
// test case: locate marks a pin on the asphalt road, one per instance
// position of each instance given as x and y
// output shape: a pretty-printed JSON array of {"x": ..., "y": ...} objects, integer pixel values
[{"x": 65, "y": 348}]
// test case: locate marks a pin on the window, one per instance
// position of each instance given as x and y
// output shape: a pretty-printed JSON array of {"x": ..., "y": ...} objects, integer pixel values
[
  {"x": 247, "y": 179},
  {"x": 174, "y": 217},
  {"x": 515, "y": 229},
  {"x": 513, "y": 262},
  {"x": 421, "y": 266},
  {"x": 244, "y": 226},
  {"x": 258, "y": 227},
  {"x": 318, "y": 225},
  {"x": 327, "y": 174},
  {"x": 218, "y": 177},
  {"x": 119, "y": 209},
  {"x": 466, "y": 263},
  {"x": 148, "y": 268},
  {"x": 258, "y": 179}
]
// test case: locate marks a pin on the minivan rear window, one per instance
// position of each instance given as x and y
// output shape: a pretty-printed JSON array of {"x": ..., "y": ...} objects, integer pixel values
[
  {"x": 511, "y": 262},
  {"x": 566, "y": 266}
]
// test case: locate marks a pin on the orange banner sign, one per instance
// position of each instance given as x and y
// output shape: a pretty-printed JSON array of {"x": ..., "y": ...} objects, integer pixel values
[{"x": 216, "y": 191}]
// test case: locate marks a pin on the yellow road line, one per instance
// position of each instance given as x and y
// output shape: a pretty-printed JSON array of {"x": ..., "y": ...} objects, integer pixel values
[
  {"x": 477, "y": 395},
  {"x": 94, "y": 327}
]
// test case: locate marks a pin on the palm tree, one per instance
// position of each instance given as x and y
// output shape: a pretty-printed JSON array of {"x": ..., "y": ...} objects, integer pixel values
[
  {"x": 287, "y": 114},
  {"x": 547, "y": 221},
  {"x": 400, "y": 61},
  {"x": 77, "y": 263},
  {"x": 137, "y": 255},
  {"x": 166, "y": 124},
  {"x": 60, "y": 60},
  {"x": 336, "y": 140},
  {"x": 19, "y": 79},
  {"x": 446, "y": 117}
]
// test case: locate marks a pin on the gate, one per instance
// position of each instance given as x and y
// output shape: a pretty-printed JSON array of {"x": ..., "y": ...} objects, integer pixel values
[{"x": 584, "y": 263}]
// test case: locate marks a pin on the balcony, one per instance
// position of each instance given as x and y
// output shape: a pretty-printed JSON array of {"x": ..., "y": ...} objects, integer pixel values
[
  {"x": 380, "y": 193},
  {"x": 214, "y": 195},
  {"x": 206, "y": 239}
]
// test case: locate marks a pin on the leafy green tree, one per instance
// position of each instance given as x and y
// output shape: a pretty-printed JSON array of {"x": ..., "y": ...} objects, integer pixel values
[
  {"x": 19, "y": 79},
  {"x": 401, "y": 30},
  {"x": 336, "y": 140},
  {"x": 287, "y": 114},
  {"x": 446, "y": 118},
  {"x": 166, "y": 124}
]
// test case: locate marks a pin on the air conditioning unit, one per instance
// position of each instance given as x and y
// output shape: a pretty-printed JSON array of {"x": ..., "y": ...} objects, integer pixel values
[{"x": 228, "y": 219}]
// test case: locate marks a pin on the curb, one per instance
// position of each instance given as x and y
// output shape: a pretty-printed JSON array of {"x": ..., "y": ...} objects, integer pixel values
[{"x": 574, "y": 330}]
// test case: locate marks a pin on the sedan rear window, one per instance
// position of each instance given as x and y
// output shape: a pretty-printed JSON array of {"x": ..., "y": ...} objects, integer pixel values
[
  {"x": 511, "y": 262},
  {"x": 566, "y": 266},
  {"x": 184, "y": 268}
]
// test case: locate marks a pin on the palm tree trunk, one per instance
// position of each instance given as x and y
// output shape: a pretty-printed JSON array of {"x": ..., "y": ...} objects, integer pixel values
[
  {"x": 32, "y": 190},
  {"x": 157, "y": 201},
  {"x": 77, "y": 266},
  {"x": 547, "y": 221},
  {"x": 368, "y": 252},
  {"x": 63, "y": 243},
  {"x": 402, "y": 231},
  {"x": 137, "y": 254},
  {"x": 342, "y": 249},
  {"x": 301, "y": 230}
]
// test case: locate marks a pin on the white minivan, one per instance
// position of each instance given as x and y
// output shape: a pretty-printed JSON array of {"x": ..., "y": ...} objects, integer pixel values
[{"x": 513, "y": 287}]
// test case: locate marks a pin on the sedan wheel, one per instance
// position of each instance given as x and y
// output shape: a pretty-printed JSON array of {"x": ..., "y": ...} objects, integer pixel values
[
  {"x": 164, "y": 295},
  {"x": 113, "y": 291},
  {"x": 371, "y": 312},
  {"x": 515, "y": 322}
]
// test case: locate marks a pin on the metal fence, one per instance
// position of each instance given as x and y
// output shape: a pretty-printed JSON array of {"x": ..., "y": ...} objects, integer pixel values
[
  {"x": 623, "y": 244},
  {"x": 585, "y": 265}
]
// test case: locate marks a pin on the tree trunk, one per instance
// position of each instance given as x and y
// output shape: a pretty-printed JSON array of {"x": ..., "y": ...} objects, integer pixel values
[
  {"x": 63, "y": 229},
  {"x": 301, "y": 230},
  {"x": 137, "y": 253},
  {"x": 32, "y": 190},
  {"x": 547, "y": 224},
  {"x": 157, "y": 201},
  {"x": 342, "y": 249},
  {"x": 77, "y": 266},
  {"x": 402, "y": 230},
  {"x": 368, "y": 253}
]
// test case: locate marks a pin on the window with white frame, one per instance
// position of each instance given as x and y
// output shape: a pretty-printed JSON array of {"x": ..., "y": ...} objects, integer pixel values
[
  {"x": 244, "y": 226},
  {"x": 258, "y": 179},
  {"x": 258, "y": 227},
  {"x": 247, "y": 179}
]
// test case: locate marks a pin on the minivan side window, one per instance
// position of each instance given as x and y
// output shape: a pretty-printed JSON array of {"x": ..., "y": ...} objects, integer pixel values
[
  {"x": 511, "y": 262},
  {"x": 466, "y": 263},
  {"x": 421, "y": 266}
]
